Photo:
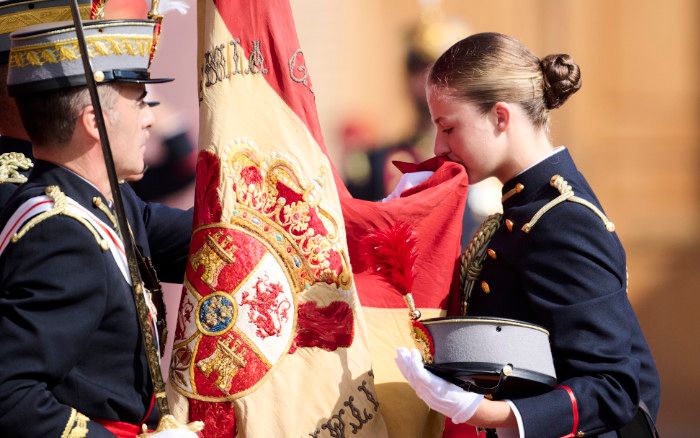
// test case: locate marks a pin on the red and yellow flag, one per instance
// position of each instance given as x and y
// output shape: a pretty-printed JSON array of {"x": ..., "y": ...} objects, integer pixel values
[
  {"x": 434, "y": 211},
  {"x": 270, "y": 341}
]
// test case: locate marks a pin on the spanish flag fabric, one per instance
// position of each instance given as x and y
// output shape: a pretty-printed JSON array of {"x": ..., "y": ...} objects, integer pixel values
[
  {"x": 433, "y": 210},
  {"x": 270, "y": 340}
]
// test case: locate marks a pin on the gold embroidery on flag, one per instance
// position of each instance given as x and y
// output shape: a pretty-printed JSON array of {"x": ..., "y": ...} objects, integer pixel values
[
  {"x": 214, "y": 256},
  {"x": 226, "y": 361},
  {"x": 289, "y": 221},
  {"x": 337, "y": 423}
]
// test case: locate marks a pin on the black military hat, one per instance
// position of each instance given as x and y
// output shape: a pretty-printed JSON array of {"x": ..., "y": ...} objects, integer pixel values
[
  {"x": 16, "y": 14},
  {"x": 46, "y": 57}
]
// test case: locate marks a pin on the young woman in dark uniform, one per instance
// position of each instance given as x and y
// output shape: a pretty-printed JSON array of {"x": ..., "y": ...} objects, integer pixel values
[{"x": 555, "y": 259}]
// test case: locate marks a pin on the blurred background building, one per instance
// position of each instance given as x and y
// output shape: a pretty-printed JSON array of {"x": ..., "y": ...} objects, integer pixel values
[{"x": 633, "y": 128}]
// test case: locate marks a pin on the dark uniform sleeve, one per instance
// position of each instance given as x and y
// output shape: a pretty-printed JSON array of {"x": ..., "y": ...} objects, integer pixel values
[
  {"x": 574, "y": 276},
  {"x": 45, "y": 324},
  {"x": 169, "y": 233},
  {"x": 6, "y": 190}
]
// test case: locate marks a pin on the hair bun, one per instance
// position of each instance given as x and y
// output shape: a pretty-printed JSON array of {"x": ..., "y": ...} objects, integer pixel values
[{"x": 561, "y": 78}]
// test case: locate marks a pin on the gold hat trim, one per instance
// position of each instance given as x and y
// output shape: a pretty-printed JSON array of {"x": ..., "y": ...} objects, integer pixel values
[
  {"x": 18, "y": 20},
  {"x": 68, "y": 50}
]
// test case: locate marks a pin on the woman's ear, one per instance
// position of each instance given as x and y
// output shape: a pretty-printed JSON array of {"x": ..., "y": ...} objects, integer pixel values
[
  {"x": 501, "y": 113},
  {"x": 87, "y": 122}
]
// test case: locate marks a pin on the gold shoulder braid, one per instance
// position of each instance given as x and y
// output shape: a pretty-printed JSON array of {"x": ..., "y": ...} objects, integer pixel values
[
  {"x": 59, "y": 207},
  {"x": 473, "y": 258},
  {"x": 566, "y": 194},
  {"x": 10, "y": 165},
  {"x": 76, "y": 427}
]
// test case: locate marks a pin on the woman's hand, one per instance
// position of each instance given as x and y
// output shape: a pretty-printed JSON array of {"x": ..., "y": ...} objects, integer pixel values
[{"x": 440, "y": 395}]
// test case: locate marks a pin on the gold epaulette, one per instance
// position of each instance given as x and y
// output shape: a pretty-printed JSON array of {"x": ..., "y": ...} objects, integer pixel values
[
  {"x": 10, "y": 165},
  {"x": 60, "y": 204},
  {"x": 76, "y": 427},
  {"x": 566, "y": 193}
]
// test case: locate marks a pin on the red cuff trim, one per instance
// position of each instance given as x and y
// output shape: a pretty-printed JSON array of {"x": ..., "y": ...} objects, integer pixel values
[{"x": 574, "y": 408}]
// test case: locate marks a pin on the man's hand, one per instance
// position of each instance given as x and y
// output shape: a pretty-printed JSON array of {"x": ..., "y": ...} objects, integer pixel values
[{"x": 440, "y": 395}]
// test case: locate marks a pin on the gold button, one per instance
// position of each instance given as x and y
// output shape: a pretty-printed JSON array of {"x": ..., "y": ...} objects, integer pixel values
[
  {"x": 491, "y": 253},
  {"x": 580, "y": 434},
  {"x": 485, "y": 287},
  {"x": 519, "y": 188},
  {"x": 509, "y": 225},
  {"x": 99, "y": 76}
]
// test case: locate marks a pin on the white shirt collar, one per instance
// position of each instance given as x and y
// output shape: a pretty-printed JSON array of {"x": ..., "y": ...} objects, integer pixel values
[{"x": 554, "y": 151}]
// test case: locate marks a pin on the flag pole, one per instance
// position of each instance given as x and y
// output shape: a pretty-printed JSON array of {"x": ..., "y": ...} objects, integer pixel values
[{"x": 138, "y": 289}]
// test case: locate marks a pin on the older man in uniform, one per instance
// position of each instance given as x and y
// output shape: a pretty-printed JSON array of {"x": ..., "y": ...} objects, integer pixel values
[{"x": 72, "y": 362}]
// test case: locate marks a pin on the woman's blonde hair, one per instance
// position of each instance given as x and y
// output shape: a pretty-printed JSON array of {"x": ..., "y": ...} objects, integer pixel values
[{"x": 486, "y": 68}]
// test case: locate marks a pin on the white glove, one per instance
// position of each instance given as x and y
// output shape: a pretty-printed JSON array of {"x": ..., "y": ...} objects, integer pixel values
[
  {"x": 174, "y": 433},
  {"x": 408, "y": 181},
  {"x": 439, "y": 394}
]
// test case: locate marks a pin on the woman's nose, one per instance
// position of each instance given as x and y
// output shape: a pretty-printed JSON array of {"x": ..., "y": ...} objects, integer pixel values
[{"x": 440, "y": 147}]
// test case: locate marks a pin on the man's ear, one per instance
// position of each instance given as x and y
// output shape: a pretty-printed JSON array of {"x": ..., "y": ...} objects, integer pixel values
[
  {"x": 501, "y": 115},
  {"x": 88, "y": 123}
]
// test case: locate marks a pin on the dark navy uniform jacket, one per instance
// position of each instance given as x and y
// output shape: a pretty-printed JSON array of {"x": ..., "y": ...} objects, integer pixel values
[
  {"x": 70, "y": 334},
  {"x": 568, "y": 274},
  {"x": 10, "y": 144}
]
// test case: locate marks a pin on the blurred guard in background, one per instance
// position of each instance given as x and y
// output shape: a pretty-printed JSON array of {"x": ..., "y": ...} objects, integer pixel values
[
  {"x": 170, "y": 154},
  {"x": 371, "y": 175}
]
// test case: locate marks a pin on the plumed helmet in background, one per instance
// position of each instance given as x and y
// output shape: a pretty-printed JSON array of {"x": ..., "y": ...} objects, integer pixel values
[{"x": 431, "y": 36}]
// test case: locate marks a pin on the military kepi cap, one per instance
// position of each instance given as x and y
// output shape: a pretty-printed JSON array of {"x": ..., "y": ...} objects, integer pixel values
[
  {"x": 47, "y": 57},
  {"x": 16, "y": 14}
]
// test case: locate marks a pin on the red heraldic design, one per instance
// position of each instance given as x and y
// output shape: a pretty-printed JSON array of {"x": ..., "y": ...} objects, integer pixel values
[{"x": 239, "y": 315}]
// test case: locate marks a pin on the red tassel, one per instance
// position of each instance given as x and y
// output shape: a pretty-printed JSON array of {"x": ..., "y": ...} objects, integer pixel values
[{"x": 391, "y": 253}]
